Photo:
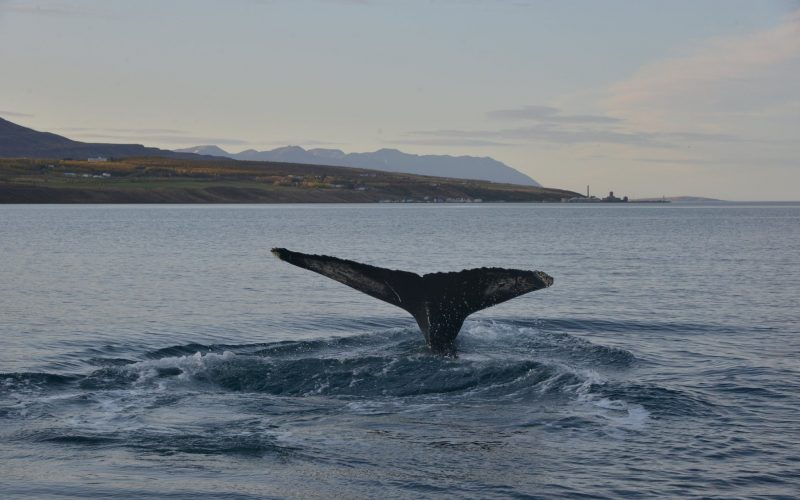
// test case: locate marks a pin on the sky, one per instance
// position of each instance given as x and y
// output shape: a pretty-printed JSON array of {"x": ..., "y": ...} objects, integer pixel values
[{"x": 686, "y": 97}]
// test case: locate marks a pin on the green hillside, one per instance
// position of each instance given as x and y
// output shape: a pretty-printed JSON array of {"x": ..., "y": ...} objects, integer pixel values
[{"x": 214, "y": 180}]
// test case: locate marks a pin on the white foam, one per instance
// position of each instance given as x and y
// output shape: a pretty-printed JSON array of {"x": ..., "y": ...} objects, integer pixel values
[
  {"x": 190, "y": 366},
  {"x": 491, "y": 330},
  {"x": 617, "y": 412}
]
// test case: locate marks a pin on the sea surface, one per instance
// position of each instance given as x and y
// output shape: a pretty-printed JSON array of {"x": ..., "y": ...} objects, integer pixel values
[{"x": 162, "y": 352}]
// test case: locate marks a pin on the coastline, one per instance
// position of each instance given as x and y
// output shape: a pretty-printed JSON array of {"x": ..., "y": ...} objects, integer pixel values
[{"x": 168, "y": 180}]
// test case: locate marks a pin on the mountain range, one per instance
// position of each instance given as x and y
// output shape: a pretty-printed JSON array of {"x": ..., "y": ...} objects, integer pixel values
[
  {"x": 389, "y": 160},
  {"x": 17, "y": 141}
]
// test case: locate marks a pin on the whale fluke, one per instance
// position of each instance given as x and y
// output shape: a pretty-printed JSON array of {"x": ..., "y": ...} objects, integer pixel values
[{"x": 440, "y": 302}]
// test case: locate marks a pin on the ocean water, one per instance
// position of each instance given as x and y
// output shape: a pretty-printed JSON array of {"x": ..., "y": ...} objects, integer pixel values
[{"x": 162, "y": 352}]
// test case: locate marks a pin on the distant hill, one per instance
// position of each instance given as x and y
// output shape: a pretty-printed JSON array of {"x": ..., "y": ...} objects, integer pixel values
[
  {"x": 206, "y": 179},
  {"x": 388, "y": 160},
  {"x": 17, "y": 141}
]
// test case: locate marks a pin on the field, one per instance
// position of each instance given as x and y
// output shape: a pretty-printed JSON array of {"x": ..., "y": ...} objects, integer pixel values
[{"x": 167, "y": 180}]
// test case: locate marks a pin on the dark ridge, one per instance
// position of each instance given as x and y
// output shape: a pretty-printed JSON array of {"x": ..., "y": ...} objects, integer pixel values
[
  {"x": 17, "y": 141},
  {"x": 81, "y": 440},
  {"x": 41, "y": 167}
]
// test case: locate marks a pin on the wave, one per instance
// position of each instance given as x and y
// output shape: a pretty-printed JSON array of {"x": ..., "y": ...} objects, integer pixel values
[
  {"x": 500, "y": 362},
  {"x": 621, "y": 326},
  {"x": 325, "y": 368},
  {"x": 245, "y": 438},
  {"x": 248, "y": 399},
  {"x": 34, "y": 380}
]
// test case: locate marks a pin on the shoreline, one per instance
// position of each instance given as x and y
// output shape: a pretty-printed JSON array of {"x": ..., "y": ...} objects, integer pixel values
[{"x": 169, "y": 180}]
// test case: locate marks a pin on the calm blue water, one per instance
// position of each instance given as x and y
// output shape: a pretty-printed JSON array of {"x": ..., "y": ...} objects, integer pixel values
[{"x": 162, "y": 352}]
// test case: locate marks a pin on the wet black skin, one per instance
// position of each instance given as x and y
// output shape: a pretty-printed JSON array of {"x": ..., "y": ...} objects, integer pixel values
[{"x": 440, "y": 302}]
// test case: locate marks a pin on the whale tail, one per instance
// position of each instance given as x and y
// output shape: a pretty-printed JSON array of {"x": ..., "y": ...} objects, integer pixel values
[{"x": 440, "y": 302}]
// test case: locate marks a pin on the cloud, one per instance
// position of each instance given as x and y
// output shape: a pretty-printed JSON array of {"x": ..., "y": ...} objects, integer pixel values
[
  {"x": 732, "y": 101},
  {"x": 728, "y": 100},
  {"x": 169, "y": 136},
  {"x": 163, "y": 136},
  {"x": 452, "y": 141},
  {"x": 131, "y": 131},
  {"x": 550, "y": 125},
  {"x": 772, "y": 162},
  {"x": 304, "y": 142},
  {"x": 700, "y": 137},
  {"x": 680, "y": 161},
  {"x": 50, "y": 9},
  {"x": 542, "y": 133},
  {"x": 547, "y": 114},
  {"x": 15, "y": 114},
  {"x": 755, "y": 76}
]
